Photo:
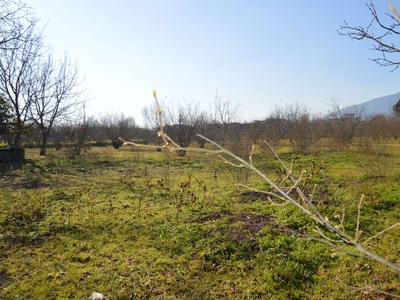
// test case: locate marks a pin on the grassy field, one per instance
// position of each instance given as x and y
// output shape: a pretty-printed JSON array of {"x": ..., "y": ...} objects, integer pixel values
[{"x": 152, "y": 225}]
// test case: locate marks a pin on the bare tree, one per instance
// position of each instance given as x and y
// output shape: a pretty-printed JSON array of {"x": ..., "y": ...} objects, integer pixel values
[
  {"x": 181, "y": 120},
  {"x": 378, "y": 127},
  {"x": 16, "y": 20},
  {"x": 275, "y": 127},
  {"x": 381, "y": 31},
  {"x": 150, "y": 117},
  {"x": 17, "y": 73},
  {"x": 202, "y": 128},
  {"x": 116, "y": 125},
  {"x": 394, "y": 127},
  {"x": 301, "y": 131},
  {"x": 152, "y": 125},
  {"x": 73, "y": 134},
  {"x": 223, "y": 113},
  {"x": 343, "y": 124},
  {"x": 225, "y": 110},
  {"x": 57, "y": 94}
]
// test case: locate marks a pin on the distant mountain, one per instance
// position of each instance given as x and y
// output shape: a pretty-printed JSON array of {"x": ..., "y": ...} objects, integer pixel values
[{"x": 382, "y": 105}]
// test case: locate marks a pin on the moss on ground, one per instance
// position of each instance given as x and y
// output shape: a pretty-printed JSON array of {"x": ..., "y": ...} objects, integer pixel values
[{"x": 150, "y": 225}]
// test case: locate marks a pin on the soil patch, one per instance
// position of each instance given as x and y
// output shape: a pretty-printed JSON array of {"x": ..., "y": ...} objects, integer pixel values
[
  {"x": 252, "y": 196},
  {"x": 35, "y": 184},
  {"x": 4, "y": 279},
  {"x": 251, "y": 225},
  {"x": 106, "y": 163},
  {"x": 254, "y": 223},
  {"x": 213, "y": 216}
]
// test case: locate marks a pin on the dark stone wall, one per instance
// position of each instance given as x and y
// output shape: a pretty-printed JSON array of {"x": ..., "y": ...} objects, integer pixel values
[{"x": 12, "y": 155}]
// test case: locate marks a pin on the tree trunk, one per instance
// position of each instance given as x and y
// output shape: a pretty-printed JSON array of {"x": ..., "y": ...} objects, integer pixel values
[
  {"x": 43, "y": 146},
  {"x": 18, "y": 134},
  {"x": 17, "y": 139}
]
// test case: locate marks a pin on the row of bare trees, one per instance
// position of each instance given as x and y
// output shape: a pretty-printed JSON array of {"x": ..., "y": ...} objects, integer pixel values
[
  {"x": 76, "y": 133},
  {"x": 37, "y": 89},
  {"x": 294, "y": 123}
]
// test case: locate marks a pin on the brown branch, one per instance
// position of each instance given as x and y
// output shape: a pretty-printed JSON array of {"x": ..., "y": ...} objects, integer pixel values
[
  {"x": 364, "y": 33},
  {"x": 159, "y": 112}
]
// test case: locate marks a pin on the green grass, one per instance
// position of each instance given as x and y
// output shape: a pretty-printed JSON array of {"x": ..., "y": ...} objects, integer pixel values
[{"x": 157, "y": 226}]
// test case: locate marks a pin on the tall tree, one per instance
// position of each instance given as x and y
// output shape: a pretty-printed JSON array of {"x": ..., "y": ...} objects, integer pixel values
[
  {"x": 223, "y": 113},
  {"x": 57, "y": 94},
  {"x": 17, "y": 70}
]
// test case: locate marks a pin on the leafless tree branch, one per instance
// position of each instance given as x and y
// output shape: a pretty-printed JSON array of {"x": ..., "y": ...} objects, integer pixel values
[{"x": 380, "y": 33}]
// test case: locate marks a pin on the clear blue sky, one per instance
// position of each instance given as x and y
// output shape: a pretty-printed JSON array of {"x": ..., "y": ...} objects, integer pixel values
[{"x": 260, "y": 53}]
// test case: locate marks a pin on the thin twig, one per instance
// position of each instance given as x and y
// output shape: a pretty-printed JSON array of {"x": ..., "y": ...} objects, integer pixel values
[
  {"x": 318, "y": 216},
  {"x": 251, "y": 154},
  {"x": 318, "y": 230},
  {"x": 337, "y": 248},
  {"x": 231, "y": 163},
  {"x": 295, "y": 184},
  {"x": 358, "y": 233},
  {"x": 313, "y": 192},
  {"x": 267, "y": 193},
  {"x": 380, "y": 233},
  {"x": 368, "y": 289},
  {"x": 266, "y": 178},
  {"x": 285, "y": 179}
]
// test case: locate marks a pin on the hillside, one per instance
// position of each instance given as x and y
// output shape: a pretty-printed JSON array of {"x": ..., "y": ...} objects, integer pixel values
[{"x": 381, "y": 105}]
